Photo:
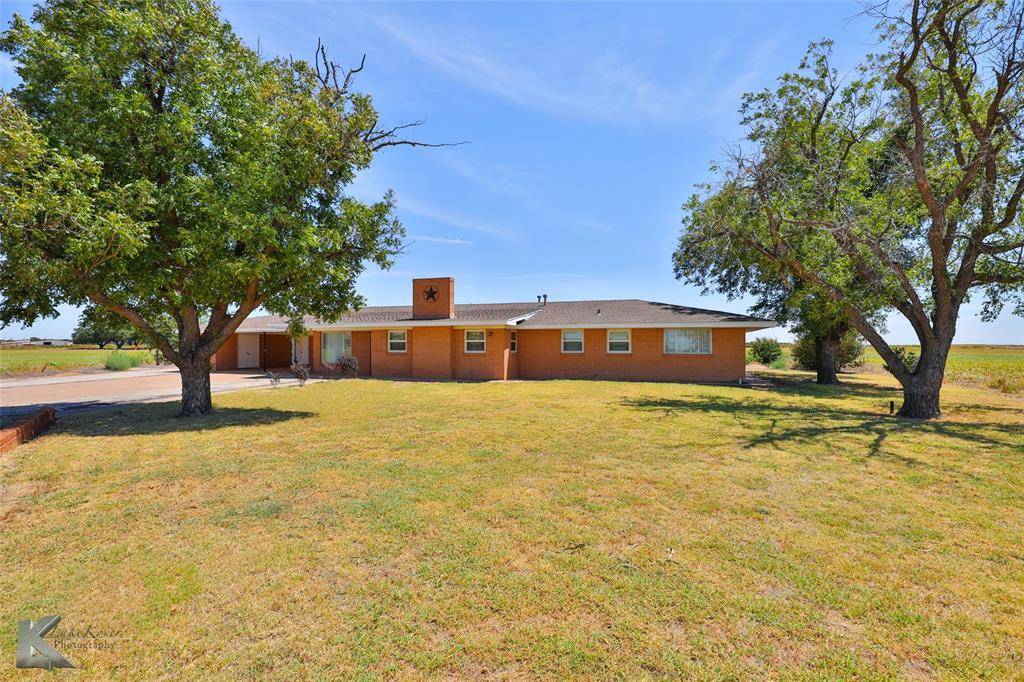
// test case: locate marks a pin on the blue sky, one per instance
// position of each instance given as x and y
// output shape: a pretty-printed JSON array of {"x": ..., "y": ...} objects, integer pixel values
[{"x": 587, "y": 127}]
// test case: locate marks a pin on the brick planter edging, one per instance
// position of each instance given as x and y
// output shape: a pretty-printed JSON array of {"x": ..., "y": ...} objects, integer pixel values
[{"x": 27, "y": 429}]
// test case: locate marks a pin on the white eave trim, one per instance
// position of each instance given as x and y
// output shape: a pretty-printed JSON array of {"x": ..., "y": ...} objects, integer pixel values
[
  {"x": 409, "y": 324},
  {"x": 515, "y": 322},
  {"x": 658, "y": 325}
]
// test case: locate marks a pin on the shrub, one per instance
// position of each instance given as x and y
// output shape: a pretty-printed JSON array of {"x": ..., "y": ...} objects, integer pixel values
[
  {"x": 779, "y": 363},
  {"x": 345, "y": 368},
  {"x": 850, "y": 354},
  {"x": 300, "y": 372},
  {"x": 766, "y": 351},
  {"x": 121, "y": 361},
  {"x": 908, "y": 357}
]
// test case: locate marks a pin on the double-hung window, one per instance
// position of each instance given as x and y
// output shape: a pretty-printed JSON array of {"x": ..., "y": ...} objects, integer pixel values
[
  {"x": 690, "y": 341},
  {"x": 398, "y": 341},
  {"x": 335, "y": 345},
  {"x": 572, "y": 340},
  {"x": 513, "y": 342},
  {"x": 619, "y": 341},
  {"x": 476, "y": 341}
]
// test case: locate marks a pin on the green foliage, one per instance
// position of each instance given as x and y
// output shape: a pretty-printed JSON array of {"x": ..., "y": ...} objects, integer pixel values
[
  {"x": 906, "y": 356},
  {"x": 121, "y": 361},
  {"x": 898, "y": 186},
  {"x": 765, "y": 350},
  {"x": 779, "y": 363},
  {"x": 159, "y": 168},
  {"x": 850, "y": 353},
  {"x": 96, "y": 326}
]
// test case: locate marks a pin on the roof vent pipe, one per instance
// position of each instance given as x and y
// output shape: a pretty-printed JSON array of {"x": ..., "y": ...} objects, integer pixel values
[{"x": 545, "y": 299}]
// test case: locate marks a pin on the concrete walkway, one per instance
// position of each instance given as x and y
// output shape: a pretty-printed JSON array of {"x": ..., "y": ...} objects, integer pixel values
[{"x": 72, "y": 393}]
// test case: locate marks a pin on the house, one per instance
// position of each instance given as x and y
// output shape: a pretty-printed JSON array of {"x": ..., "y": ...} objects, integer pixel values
[{"x": 436, "y": 338}]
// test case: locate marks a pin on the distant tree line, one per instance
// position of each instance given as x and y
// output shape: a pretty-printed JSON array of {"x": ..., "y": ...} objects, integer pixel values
[{"x": 95, "y": 327}]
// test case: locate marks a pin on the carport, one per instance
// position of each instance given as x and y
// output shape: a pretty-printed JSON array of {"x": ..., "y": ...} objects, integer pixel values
[{"x": 263, "y": 350}]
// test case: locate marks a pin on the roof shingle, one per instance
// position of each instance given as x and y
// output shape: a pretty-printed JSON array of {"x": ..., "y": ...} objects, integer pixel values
[{"x": 623, "y": 312}]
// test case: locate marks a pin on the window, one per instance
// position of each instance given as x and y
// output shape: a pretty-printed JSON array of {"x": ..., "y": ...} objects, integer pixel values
[
  {"x": 572, "y": 340},
  {"x": 334, "y": 345},
  {"x": 513, "y": 342},
  {"x": 397, "y": 342},
  {"x": 688, "y": 341},
  {"x": 619, "y": 341},
  {"x": 476, "y": 341}
]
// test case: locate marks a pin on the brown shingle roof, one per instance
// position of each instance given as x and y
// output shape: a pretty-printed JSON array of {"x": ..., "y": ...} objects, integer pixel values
[
  {"x": 630, "y": 311},
  {"x": 554, "y": 314},
  {"x": 498, "y": 313}
]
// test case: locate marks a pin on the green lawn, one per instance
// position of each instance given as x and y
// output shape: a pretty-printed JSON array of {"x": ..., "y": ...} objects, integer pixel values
[
  {"x": 37, "y": 359},
  {"x": 374, "y": 529}
]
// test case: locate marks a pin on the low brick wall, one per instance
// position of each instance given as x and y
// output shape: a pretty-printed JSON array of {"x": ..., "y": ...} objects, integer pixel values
[{"x": 26, "y": 429}]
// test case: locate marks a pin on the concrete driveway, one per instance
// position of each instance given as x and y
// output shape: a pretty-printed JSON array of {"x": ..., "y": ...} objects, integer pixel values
[{"x": 77, "y": 392}]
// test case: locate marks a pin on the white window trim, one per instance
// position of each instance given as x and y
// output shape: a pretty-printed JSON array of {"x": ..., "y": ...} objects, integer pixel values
[
  {"x": 583, "y": 342},
  {"x": 513, "y": 341},
  {"x": 405, "y": 334},
  {"x": 711, "y": 340},
  {"x": 465, "y": 341},
  {"x": 608, "y": 341}
]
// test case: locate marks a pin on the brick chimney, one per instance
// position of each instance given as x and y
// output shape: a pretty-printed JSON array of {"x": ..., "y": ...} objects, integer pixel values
[{"x": 433, "y": 298}]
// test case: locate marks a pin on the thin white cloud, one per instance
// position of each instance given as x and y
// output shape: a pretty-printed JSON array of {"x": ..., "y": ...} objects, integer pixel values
[
  {"x": 603, "y": 86},
  {"x": 607, "y": 88},
  {"x": 423, "y": 210},
  {"x": 495, "y": 178},
  {"x": 439, "y": 240},
  {"x": 368, "y": 187}
]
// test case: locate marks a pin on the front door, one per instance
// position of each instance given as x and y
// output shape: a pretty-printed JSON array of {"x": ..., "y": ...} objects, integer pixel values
[
  {"x": 300, "y": 350},
  {"x": 248, "y": 351}
]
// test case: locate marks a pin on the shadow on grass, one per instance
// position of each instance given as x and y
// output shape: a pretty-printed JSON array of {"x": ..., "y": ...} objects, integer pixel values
[
  {"x": 815, "y": 422},
  {"x": 160, "y": 418}
]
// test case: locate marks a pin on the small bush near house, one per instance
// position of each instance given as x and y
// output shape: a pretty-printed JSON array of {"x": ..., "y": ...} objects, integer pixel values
[
  {"x": 300, "y": 372},
  {"x": 851, "y": 352},
  {"x": 780, "y": 363},
  {"x": 121, "y": 361},
  {"x": 765, "y": 351},
  {"x": 344, "y": 368},
  {"x": 908, "y": 357}
]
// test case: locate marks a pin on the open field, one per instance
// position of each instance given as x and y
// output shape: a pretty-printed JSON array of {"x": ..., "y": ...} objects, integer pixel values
[
  {"x": 537, "y": 529},
  {"x": 999, "y": 367},
  {"x": 37, "y": 359}
]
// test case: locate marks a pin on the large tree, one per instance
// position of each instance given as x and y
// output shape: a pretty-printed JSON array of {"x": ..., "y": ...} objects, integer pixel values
[
  {"x": 909, "y": 177},
  {"x": 152, "y": 164},
  {"x": 733, "y": 269}
]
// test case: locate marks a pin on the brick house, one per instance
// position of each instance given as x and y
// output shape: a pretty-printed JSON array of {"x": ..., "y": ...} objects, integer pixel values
[{"x": 435, "y": 338}]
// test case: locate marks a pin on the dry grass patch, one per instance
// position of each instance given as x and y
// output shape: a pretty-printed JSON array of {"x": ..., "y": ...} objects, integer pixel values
[{"x": 373, "y": 529}]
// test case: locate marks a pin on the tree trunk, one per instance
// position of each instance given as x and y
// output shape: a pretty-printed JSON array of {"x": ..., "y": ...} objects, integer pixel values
[
  {"x": 921, "y": 390},
  {"x": 826, "y": 354},
  {"x": 921, "y": 398},
  {"x": 195, "y": 388}
]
